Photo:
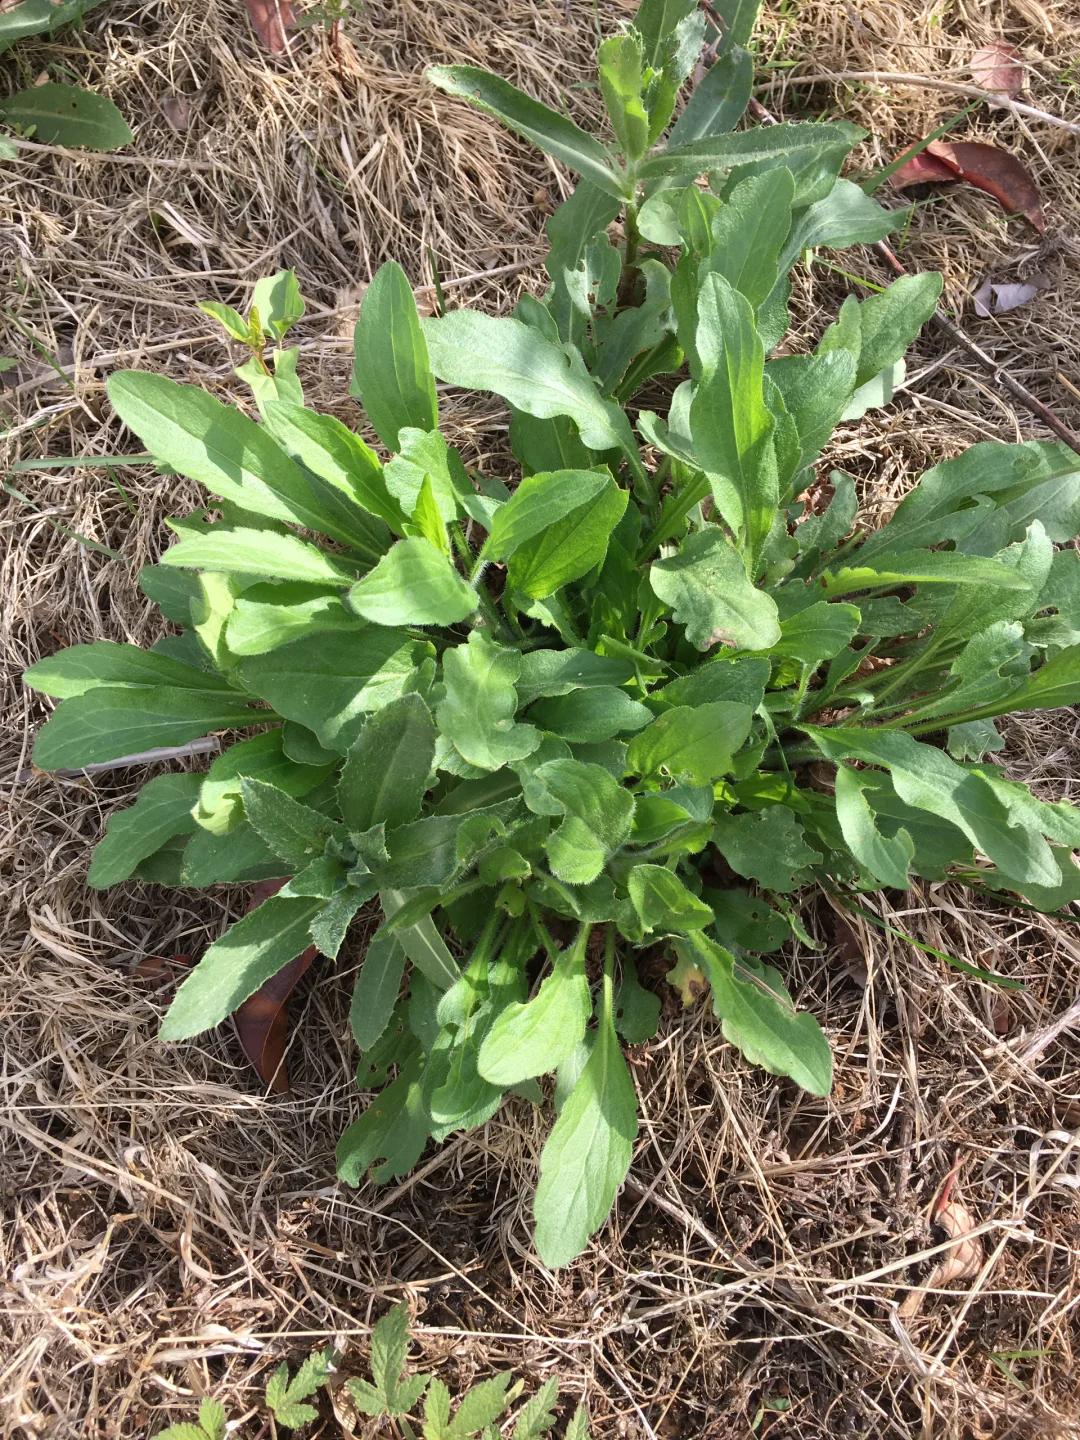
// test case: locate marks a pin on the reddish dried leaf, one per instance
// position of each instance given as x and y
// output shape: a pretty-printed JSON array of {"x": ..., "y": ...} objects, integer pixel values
[
  {"x": 921, "y": 169},
  {"x": 997, "y": 172},
  {"x": 986, "y": 167},
  {"x": 997, "y": 68},
  {"x": 272, "y": 20},
  {"x": 262, "y": 1021}
]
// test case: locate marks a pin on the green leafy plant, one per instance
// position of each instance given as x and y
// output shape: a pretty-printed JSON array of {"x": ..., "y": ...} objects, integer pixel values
[
  {"x": 285, "y": 1397},
  {"x": 211, "y": 1424},
  {"x": 391, "y": 1393},
  {"x": 643, "y": 695},
  {"x": 56, "y": 114}
]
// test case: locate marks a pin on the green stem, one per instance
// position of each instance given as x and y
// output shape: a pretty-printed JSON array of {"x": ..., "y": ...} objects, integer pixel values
[
  {"x": 901, "y": 674},
  {"x": 675, "y": 510},
  {"x": 633, "y": 235},
  {"x": 493, "y": 619}
]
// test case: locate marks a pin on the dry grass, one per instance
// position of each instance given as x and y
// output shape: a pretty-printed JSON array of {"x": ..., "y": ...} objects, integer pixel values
[{"x": 170, "y": 1231}]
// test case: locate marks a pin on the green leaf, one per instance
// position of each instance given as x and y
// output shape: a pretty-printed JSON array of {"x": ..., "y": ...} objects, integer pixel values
[
  {"x": 331, "y": 925},
  {"x": 235, "y": 966},
  {"x": 391, "y": 373},
  {"x": 759, "y": 1018},
  {"x": 395, "y": 1126},
  {"x": 886, "y": 323},
  {"x": 537, "y": 1416},
  {"x": 817, "y": 633},
  {"x": 663, "y": 902},
  {"x": 926, "y": 779},
  {"x": 730, "y": 423},
  {"x": 425, "y": 456},
  {"x": 270, "y": 614},
  {"x": 111, "y": 721},
  {"x": 578, "y": 1428},
  {"x": 720, "y": 152},
  {"x": 261, "y": 757},
  {"x": 740, "y": 679},
  {"x": 394, "y": 1394},
  {"x": 941, "y": 567},
  {"x": 481, "y": 1405},
  {"x": 749, "y": 231},
  {"x": 637, "y": 1010},
  {"x": 376, "y": 990},
  {"x": 590, "y": 715},
  {"x": 66, "y": 115},
  {"x": 815, "y": 390},
  {"x": 656, "y": 22},
  {"x": 767, "y": 846},
  {"x": 80, "y": 668},
  {"x": 588, "y": 1152},
  {"x": 386, "y": 774},
  {"x": 257, "y": 552},
  {"x": 413, "y": 584},
  {"x": 195, "y": 434},
  {"x": 213, "y": 1419},
  {"x": 184, "y": 1431},
  {"x": 294, "y": 831},
  {"x": 553, "y": 133},
  {"x": 232, "y": 320},
  {"x": 739, "y": 17},
  {"x": 695, "y": 742},
  {"x": 162, "y": 810},
  {"x": 707, "y": 586},
  {"x": 422, "y": 943},
  {"x": 718, "y": 101},
  {"x": 481, "y": 352},
  {"x": 478, "y": 712},
  {"x": 570, "y": 547},
  {"x": 599, "y": 814},
  {"x": 887, "y": 858},
  {"x": 560, "y": 672},
  {"x": 541, "y": 500},
  {"x": 333, "y": 679},
  {"x": 619, "y": 61},
  {"x": 531, "y": 1039},
  {"x": 278, "y": 302},
  {"x": 1057, "y": 683},
  {"x": 36, "y": 17},
  {"x": 988, "y": 669},
  {"x": 331, "y": 451}
]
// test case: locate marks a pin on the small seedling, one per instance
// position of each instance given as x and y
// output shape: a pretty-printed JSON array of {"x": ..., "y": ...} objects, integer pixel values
[
  {"x": 284, "y": 1397},
  {"x": 393, "y": 1394}
]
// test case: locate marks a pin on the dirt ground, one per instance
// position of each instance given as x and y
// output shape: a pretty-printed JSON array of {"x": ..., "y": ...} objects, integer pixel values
[{"x": 170, "y": 1231}]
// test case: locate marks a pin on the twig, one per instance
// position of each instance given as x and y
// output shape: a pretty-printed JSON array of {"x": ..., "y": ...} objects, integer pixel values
[
  {"x": 209, "y": 745},
  {"x": 954, "y": 86},
  {"x": 997, "y": 372}
]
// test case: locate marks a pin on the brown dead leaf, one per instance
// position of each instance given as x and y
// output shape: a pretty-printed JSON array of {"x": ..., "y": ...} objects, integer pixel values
[
  {"x": 272, "y": 20},
  {"x": 997, "y": 68},
  {"x": 961, "y": 1262},
  {"x": 156, "y": 970},
  {"x": 178, "y": 111},
  {"x": 262, "y": 1021},
  {"x": 998, "y": 172},
  {"x": 1001, "y": 1015}
]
